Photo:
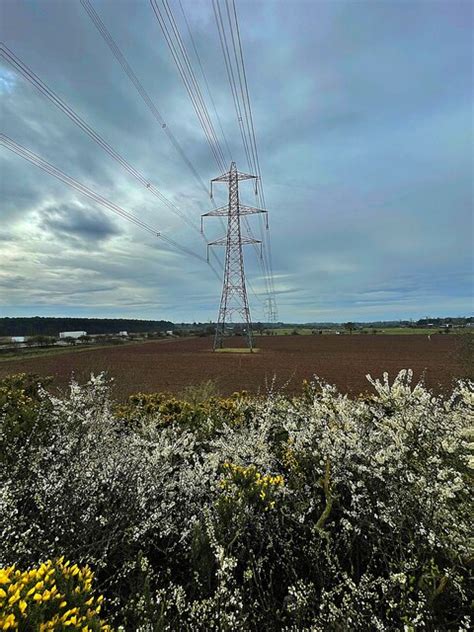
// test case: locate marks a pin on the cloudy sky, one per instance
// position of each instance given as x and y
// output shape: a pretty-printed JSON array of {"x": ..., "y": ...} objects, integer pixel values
[{"x": 363, "y": 115}]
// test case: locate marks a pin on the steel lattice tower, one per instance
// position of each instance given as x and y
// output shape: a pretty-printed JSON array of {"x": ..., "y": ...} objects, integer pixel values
[{"x": 234, "y": 292}]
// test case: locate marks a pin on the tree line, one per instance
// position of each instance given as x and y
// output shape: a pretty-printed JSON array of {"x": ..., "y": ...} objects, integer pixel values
[{"x": 50, "y": 326}]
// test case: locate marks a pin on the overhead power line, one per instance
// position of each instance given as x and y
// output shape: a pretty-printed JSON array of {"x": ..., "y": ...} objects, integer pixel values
[
  {"x": 33, "y": 158},
  {"x": 236, "y": 73},
  {"x": 201, "y": 67},
  {"x": 120, "y": 57},
  {"x": 267, "y": 242},
  {"x": 34, "y": 80},
  {"x": 167, "y": 23},
  {"x": 230, "y": 75}
]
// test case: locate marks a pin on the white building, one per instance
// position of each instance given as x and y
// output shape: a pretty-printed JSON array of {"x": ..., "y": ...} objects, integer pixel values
[
  {"x": 123, "y": 333},
  {"x": 18, "y": 338},
  {"x": 72, "y": 334},
  {"x": 169, "y": 332}
]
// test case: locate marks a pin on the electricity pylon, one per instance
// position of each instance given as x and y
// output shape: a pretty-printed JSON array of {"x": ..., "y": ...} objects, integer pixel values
[
  {"x": 271, "y": 309},
  {"x": 234, "y": 292}
]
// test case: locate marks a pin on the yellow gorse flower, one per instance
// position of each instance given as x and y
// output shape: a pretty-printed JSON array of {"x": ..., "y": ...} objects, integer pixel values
[
  {"x": 56, "y": 594},
  {"x": 9, "y": 622},
  {"x": 247, "y": 483}
]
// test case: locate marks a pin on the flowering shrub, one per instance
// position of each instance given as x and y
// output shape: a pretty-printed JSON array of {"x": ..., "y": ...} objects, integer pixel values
[
  {"x": 248, "y": 485},
  {"x": 317, "y": 512},
  {"x": 201, "y": 416},
  {"x": 54, "y": 596},
  {"x": 19, "y": 403}
]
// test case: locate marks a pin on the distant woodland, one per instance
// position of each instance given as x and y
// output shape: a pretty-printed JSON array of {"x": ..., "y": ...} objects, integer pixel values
[{"x": 37, "y": 325}]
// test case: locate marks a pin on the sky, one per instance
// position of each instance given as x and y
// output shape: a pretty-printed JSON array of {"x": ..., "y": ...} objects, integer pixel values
[{"x": 364, "y": 125}]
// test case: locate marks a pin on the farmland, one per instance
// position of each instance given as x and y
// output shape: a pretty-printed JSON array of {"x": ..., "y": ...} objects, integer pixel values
[{"x": 171, "y": 365}]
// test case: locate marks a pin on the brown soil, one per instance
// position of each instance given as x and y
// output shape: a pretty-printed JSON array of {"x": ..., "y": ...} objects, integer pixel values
[{"x": 285, "y": 360}]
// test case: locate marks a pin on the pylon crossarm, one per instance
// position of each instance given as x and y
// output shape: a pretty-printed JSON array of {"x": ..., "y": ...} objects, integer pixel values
[
  {"x": 245, "y": 176},
  {"x": 225, "y": 177},
  {"x": 249, "y": 210},
  {"x": 218, "y": 242},
  {"x": 250, "y": 240},
  {"x": 223, "y": 241},
  {"x": 243, "y": 210},
  {"x": 222, "y": 210}
]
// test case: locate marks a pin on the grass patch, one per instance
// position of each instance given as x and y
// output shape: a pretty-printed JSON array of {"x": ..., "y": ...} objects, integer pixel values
[
  {"x": 395, "y": 331},
  {"x": 236, "y": 350},
  {"x": 27, "y": 354}
]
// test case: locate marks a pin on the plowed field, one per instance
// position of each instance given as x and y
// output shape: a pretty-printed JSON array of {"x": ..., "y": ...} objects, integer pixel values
[{"x": 172, "y": 365}]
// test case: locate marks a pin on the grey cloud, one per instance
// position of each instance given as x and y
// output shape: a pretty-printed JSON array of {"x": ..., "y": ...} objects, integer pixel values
[
  {"x": 11, "y": 281},
  {"x": 77, "y": 223},
  {"x": 361, "y": 105}
]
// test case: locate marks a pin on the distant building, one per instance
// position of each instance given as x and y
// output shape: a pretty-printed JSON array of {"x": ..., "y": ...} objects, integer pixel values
[
  {"x": 72, "y": 334},
  {"x": 18, "y": 338},
  {"x": 123, "y": 333},
  {"x": 169, "y": 332}
]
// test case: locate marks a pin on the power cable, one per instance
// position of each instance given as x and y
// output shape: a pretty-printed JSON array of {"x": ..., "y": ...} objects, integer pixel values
[
  {"x": 181, "y": 58},
  {"x": 27, "y": 154},
  {"x": 230, "y": 74},
  {"x": 32, "y": 78},
  {"x": 119, "y": 56},
  {"x": 192, "y": 75},
  {"x": 188, "y": 27},
  {"x": 239, "y": 108},
  {"x": 252, "y": 153}
]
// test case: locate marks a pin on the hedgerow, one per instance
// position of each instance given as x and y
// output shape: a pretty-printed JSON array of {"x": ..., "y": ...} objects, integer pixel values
[{"x": 316, "y": 512}]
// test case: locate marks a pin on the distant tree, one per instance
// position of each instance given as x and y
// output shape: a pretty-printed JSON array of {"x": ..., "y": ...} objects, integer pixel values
[{"x": 349, "y": 326}]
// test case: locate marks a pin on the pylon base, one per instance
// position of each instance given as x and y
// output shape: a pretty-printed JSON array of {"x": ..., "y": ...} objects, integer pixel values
[{"x": 236, "y": 350}]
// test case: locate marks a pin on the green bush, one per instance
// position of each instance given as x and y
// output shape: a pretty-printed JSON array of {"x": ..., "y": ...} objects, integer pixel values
[{"x": 21, "y": 397}]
